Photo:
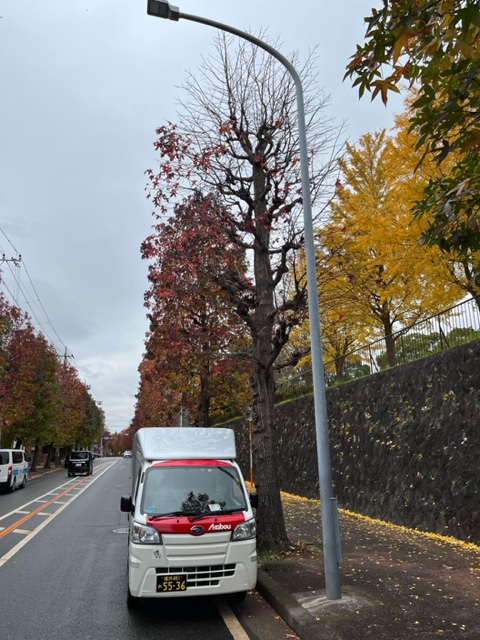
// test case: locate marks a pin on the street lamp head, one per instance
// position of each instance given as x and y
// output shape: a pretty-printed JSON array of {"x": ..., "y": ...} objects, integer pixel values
[{"x": 162, "y": 9}]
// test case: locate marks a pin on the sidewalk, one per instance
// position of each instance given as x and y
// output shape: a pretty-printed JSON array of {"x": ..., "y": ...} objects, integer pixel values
[
  {"x": 41, "y": 471},
  {"x": 397, "y": 584}
]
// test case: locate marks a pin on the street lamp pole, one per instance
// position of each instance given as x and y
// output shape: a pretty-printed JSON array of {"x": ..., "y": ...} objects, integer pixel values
[{"x": 330, "y": 535}]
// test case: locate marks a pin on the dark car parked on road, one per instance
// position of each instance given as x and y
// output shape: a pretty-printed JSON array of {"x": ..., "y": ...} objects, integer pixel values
[{"x": 79, "y": 462}]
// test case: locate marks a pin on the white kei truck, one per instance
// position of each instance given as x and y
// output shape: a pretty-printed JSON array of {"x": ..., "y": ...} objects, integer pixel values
[{"x": 191, "y": 523}]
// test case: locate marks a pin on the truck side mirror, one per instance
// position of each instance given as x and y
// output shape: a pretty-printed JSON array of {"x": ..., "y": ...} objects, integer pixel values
[
  {"x": 126, "y": 504},
  {"x": 254, "y": 500}
]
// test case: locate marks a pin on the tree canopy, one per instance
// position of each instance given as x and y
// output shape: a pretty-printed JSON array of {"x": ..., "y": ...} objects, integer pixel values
[
  {"x": 434, "y": 45},
  {"x": 370, "y": 247},
  {"x": 42, "y": 401},
  {"x": 374, "y": 277},
  {"x": 196, "y": 337}
]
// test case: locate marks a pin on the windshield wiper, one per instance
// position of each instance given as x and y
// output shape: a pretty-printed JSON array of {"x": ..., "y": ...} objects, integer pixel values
[
  {"x": 217, "y": 513},
  {"x": 154, "y": 516}
]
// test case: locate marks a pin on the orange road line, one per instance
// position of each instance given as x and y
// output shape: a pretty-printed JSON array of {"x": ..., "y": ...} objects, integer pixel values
[{"x": 43, "y": 506}]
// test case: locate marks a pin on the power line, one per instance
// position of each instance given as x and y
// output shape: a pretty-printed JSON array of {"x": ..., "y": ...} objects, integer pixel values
[
  {"x": 14, "y": 297},
  {"x": 36, "y": 300},
  {"x": 13, "y": 265}
]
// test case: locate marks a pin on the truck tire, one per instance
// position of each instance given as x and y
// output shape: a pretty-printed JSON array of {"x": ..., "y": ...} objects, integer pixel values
[
  {"x": 132, "y": 601},
  {"x": 237, "y": 597}
]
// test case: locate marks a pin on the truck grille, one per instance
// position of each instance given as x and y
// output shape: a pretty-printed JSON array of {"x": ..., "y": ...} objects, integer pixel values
[{"x": 200, "y": 576}]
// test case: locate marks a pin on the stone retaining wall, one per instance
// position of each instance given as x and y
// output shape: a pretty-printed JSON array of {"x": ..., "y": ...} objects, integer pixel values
[{"x": 405, "y": 444}]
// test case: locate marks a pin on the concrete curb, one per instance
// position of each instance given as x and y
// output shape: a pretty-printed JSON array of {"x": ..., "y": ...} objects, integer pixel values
[
  {"x": 39, "y": 474},
  {"x": 290, "y": 610}
]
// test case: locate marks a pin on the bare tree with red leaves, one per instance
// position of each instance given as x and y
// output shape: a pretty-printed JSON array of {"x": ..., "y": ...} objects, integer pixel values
[{"x": 237, "y": 138}]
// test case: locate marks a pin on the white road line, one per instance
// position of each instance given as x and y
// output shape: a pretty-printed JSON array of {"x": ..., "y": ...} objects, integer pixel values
[
  {"x": 24, "y": 532},
  {"x": 8, "y": 556},
  {"x": 46, "y": 495},
  {"x": 233, "y": 625}
]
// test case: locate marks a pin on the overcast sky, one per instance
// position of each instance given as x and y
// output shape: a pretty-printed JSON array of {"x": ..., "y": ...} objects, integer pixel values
[{"x": 83, "y": 86}]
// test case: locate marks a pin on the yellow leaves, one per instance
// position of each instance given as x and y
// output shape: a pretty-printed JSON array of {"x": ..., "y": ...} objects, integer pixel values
[
  {"x": 401, "y": 45},
  {"x": 371, "y": 248},
  {"x": 467, "y": 50}
]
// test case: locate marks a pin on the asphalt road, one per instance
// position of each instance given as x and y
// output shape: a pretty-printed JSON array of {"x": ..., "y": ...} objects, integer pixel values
[{"x": 63, "y": 545}]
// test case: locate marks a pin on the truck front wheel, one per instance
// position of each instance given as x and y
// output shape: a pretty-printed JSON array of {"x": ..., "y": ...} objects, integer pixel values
[
  {"x": 132, "y": 601},
  {"x": 237, "y": 597}
]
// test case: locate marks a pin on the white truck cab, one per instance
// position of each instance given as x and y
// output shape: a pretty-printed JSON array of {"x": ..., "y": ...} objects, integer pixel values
[{"x": 191, "y": 525}]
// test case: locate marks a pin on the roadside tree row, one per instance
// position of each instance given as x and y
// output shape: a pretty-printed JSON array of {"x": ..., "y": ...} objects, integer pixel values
[{"x": 43, "y": 403}]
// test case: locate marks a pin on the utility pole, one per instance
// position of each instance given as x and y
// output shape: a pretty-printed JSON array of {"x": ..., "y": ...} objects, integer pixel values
[
  {"x": 66, "y": 355},
  {"x": 183, "y": 417},
  {"x": 16, "y": 262}
]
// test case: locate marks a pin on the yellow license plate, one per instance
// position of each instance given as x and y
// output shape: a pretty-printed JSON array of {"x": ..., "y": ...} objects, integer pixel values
[{"x": 170, "y": 583}]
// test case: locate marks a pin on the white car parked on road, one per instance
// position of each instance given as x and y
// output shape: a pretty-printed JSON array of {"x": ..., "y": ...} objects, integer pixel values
[{"x": 13, "y": 469}]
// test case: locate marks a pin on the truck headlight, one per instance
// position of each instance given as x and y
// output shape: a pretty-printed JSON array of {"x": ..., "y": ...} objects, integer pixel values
[
  {"x": 245, "y": 530},
  {"x": 141, "y": 534}
]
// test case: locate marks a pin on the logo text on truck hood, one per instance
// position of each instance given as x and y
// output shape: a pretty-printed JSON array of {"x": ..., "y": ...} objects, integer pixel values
[{"x": 220, "y": 527}]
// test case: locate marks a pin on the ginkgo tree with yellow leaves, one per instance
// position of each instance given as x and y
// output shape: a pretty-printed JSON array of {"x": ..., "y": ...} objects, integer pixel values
[
  {"x": 343, "y": 326},
  {"x": 370, "y": 255}
]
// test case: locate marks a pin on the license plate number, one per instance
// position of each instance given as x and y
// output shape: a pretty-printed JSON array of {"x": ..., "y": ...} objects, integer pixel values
[
  {"x": 78, "y": 464},
  {"x": 171, "y": 583}
]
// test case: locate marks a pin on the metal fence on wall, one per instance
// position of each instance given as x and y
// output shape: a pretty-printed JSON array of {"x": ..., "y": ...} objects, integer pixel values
[{"x": 454, "y": 326}]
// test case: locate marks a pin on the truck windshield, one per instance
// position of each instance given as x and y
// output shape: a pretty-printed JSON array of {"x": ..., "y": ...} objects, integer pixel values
[{"x": 192, "y": 489}]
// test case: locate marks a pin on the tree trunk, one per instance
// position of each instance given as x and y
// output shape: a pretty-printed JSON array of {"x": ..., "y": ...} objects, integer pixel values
[
  {"x": 340, "y": 368},
  {"x": 391, "y": 355},
  {"x": 33, "y": 466},
  {"x": 271, "y": 531},
  {"x": 50, "y": 452},
  {"x": 204, "y": 404},
  {"x": 389, "y": 342}
]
